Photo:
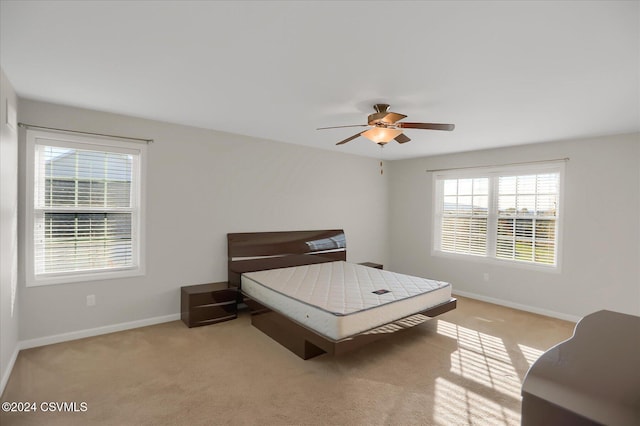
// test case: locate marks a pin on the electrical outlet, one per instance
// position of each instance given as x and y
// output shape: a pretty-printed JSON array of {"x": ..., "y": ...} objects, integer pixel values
[
  {"x": 486, "y": 277},
  {"x": 91, "y": 300}
]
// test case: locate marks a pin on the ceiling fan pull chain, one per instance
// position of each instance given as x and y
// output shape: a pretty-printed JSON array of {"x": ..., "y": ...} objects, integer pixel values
[{"x": 381, "y": 148}]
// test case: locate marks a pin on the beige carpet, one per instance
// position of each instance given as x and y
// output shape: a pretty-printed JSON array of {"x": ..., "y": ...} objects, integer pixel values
[{"x": 465, "y": 367}]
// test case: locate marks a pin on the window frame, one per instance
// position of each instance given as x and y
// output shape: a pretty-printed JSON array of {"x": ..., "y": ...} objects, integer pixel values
[
  {"x": 493, "y": 173},
  {"x": 105, "y": 144}
]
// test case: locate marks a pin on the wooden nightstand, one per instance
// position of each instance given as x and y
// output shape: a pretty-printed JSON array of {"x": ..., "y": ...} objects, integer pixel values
[
  {"x": 206, "y": 304},
  {"x": 371, "y": 265}
]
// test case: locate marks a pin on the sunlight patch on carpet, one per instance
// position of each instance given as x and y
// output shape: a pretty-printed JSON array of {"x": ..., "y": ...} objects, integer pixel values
[
  {"x": 455, "y": 404},
  {"x": 530, "y": 354},
  {"x": 483, "y": 359}
]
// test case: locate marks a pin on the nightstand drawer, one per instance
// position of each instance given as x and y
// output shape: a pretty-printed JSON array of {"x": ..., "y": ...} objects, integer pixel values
[
  {"x": 213, "y": 298},
  {"x": 211, "y": 314},
  {"x": 205, "y": 304}
]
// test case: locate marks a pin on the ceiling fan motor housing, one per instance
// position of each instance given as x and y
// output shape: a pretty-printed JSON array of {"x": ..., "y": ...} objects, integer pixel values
[
  {"x": 383, "y": 117},
  {"x": 381, "y": 107}
]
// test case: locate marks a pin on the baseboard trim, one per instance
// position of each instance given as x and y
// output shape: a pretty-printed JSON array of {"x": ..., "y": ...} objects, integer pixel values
[
  {"x": 7, "y": 372},
  {"x": 518, "y": 306},
  {"x": 81, "y": 334}
]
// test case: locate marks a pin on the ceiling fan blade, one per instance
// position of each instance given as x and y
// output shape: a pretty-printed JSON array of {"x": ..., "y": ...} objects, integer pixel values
[
  {"x": 340, "y": 127},
  {"x": 349, "y": 138},
  {"x": 402, "y": 138},
  {"x": 392, "y": 117},
  {"x": 428, "y": 126},
  {"x": 384, "y": 117}
]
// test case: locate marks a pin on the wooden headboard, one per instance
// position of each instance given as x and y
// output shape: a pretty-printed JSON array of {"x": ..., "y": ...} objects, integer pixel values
[{"x": 258, "y": 251}]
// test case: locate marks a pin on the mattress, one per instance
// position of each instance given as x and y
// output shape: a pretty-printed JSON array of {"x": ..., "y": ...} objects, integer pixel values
[{"x": 340, "y": 299}]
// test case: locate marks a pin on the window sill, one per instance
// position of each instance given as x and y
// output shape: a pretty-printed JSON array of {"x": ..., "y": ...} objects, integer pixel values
[{"x": 83, "y": 277}]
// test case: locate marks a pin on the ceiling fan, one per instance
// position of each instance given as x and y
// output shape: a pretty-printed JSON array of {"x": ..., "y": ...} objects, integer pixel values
[{"x": 385, "y": 127}]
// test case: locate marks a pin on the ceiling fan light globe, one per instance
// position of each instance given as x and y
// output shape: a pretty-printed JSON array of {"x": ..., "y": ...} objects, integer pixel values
[{"x": 381, "y": 134}]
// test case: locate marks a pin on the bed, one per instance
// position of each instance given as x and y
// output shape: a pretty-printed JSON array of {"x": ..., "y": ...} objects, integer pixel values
[{"x": 302, "y": 293}]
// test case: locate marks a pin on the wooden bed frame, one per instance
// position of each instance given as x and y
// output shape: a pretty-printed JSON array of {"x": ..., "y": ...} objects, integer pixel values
[{"x": 258, "y": 251}]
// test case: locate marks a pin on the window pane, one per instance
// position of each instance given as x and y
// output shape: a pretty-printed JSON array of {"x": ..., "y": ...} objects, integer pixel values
[
  {"x": 545, "y": 230},
  {"x": 464, "y": 235},
  {"x": 524, "y": 228},
  {"x": 480, "y": 205},
  {"x": 465, "y": 204},
  {"x": 83, "y": 193},
  {"x": 481, "y": 186},
  {"x": 478, "y": 226},
  {"x": 507, "y": 204},
  {"x": 545, "y": 252},
  {"x": 82, "y": 241},
  {"x": 527, "y": 184},
  {"x": 119, "y": 194},
  {"x": 96, "y": 196},
  {"x": 478, "y": 245},
  {"x": 465, "y": 186},
  {"x": 464, "y": 222},
  {"x": 505, "y": 227},
  {"x": 449, "y": 224},
  {"x": 524, "y": 250},
  {"x": 507, "y": 185},
  {"x": 79, "y": 178},
  {"x": 60, "y": 192},
  {"x": 463, "y": 225},
  {"x": 505, "y": 249},
  {"x": 546, "y": 205},
  {"x": 451, "y": 187},
  {"x": 526, "y": 204},
  {"x": 547, "y": 183}
]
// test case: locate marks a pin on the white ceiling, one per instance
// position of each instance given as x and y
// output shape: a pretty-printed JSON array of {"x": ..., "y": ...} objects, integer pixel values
[{"x": 505, "y": 73}]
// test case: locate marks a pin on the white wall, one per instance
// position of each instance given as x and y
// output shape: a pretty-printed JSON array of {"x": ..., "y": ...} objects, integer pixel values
[
  {"x": 203, "y": 184},
  {"x": 8, "y": 232},
  {"x": 601, "y": 232}
]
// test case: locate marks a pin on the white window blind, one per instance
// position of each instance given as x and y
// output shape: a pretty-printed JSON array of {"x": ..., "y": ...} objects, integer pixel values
[
  {"x": 527, "y": 210},
  {"x": 86, "y": 207},
  {"x": 508, "y": 213},
  {"x": 465, "y": 216}
]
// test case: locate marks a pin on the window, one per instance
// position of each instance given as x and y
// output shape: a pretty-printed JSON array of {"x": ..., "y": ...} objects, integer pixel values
[
  {"x": 84, "y": 208},
  {"x": 465, "y": 216},
  {"x": 509, "y": 213}
]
